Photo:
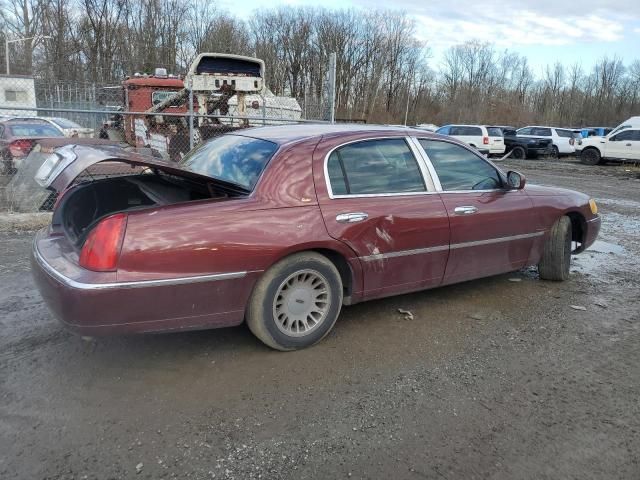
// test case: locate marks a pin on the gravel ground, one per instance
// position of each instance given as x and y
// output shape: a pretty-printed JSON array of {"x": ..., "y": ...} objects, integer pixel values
[{"x": 498, "y": 378}]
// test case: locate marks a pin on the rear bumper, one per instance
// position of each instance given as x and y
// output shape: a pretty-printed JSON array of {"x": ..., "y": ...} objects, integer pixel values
[
  {"x": 497, "y": 149},
  {"x": 91, "y": 308}
]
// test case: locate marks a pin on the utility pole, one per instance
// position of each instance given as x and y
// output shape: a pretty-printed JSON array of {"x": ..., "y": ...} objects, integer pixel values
[{"x": 332, "y": 87}]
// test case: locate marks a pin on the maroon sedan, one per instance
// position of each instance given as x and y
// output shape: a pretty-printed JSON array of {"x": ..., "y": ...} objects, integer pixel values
[
  {"x": 17, "y": 138},
  {"x": 281, "y": 226}
]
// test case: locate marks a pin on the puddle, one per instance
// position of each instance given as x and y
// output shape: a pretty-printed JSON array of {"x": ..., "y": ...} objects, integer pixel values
[
  {"x": 605, "y": 247},
  {"x": 592, "y": 260}
]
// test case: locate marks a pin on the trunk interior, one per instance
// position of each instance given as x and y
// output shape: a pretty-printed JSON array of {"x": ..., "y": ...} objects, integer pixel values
[{"x": 87, "y": 203}]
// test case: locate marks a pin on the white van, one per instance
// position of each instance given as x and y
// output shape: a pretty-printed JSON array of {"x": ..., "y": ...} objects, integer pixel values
[
  {"x": 485, "y": 139},
  {"x": 633, "y": 122}
]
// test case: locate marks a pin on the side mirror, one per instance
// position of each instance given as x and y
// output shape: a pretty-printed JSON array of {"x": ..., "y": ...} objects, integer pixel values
[{"x": 516, "y": 180}]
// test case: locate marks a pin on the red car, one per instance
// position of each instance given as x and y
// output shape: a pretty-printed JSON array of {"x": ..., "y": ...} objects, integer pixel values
[
  {"x": 281, "y": 226},
  {"x": 17, "y": 138}
]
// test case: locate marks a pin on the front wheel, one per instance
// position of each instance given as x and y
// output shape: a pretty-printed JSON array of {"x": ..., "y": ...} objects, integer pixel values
[
  {"x": 556, "y": 256},
  {"x": 590, "y": 156},
  {"x": 296, "y": 302}
]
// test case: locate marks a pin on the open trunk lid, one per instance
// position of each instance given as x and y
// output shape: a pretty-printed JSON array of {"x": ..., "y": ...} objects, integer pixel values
[{"x": 61, "y": 166}]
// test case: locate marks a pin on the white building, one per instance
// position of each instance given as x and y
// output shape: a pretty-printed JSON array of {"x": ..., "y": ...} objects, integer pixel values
[{"x": 17, "y": 91}]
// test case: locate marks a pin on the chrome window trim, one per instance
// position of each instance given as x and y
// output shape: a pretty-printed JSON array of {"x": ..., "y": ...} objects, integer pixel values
[
  {"x": 425, "y": 164},
  {"x": 69, "y": 282},
  {"x": 466, "y": 147},
  {"x": 453, "y": 246},
  {"x": 417, "y": 157}
]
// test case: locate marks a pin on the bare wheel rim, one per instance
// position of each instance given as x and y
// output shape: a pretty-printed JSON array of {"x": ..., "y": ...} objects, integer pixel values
[{"x": 301, "y": 303}]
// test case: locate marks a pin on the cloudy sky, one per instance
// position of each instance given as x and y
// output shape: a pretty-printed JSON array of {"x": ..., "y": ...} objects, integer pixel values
[{"x": 544, "y": 30}]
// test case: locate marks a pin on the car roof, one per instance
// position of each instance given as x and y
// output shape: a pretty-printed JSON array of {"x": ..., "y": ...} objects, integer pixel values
[
  {"x": 464, "y": 125},
  {"x": 283, "y": 134}
]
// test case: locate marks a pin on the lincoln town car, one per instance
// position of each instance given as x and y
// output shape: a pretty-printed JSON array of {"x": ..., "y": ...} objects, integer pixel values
[{"x": 281, "y": 226}]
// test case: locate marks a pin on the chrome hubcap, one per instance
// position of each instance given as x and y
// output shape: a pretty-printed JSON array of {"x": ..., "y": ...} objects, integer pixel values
[{"x": 301, "y": 303}]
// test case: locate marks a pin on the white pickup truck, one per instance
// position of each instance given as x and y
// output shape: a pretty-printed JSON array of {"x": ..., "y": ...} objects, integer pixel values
[{"x": 623, "y": 143}]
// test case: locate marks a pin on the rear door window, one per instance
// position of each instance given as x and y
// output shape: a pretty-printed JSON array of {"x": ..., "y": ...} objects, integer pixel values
[
  {"x": 467, "y": 131},
  {"x": 381, "y": 166},
  {"x": 541, "y": 132},
  {"x": 564, "y": 133},
  {"x": 459, "y": 168},
  {"x": 525, "y": 131}
]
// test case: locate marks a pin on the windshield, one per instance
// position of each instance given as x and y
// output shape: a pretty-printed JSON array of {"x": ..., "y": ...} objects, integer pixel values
[
  {"x": 231, "y": 158},
  {"x": 34, "y": 130},
  {"x": 619, "y": 128}
]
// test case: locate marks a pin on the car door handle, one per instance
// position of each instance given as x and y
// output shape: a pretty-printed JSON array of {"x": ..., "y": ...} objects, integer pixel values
[
  {"x": 351, "y": 217},
  {"x": 628, "y": 144},
  {"x": 465, "y": 210}
]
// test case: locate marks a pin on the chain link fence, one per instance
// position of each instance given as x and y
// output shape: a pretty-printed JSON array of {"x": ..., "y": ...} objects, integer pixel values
[{"x": 152, "y": 116}]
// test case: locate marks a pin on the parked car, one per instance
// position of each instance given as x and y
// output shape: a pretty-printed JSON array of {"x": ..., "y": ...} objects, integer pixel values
[
  {"x": 281, "y": 226},
  {"x": 622, "y": 145},
  {"x": 17, "y": 138},
  {"x": 67, "y": 127},
  {"x": 430, "y": 127},
  {"x": 562, "y": 138},
  {"x": 524, "y": 147},
  {"x": 486, "y": 139},
  {"x": 70, "y": 128}
]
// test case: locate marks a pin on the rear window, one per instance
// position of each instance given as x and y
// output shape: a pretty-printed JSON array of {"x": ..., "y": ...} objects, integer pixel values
[
  {"x": 540, "y": 132},
  {"x": 494, "y": 131},
  {"x": 34, "y": 130},
  {"x": 231, "y": 158},
  {"x": 564, "y": 133}
]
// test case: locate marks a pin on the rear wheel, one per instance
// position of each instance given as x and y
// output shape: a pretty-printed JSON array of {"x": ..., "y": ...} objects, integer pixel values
[
  {"x": 590, "y": 156},
  {"x": 296, "y": 302},
  {"x": 555, "y": 153},
  {"x": 556, "y": 256},
  {"x": 518, "y": 153}
]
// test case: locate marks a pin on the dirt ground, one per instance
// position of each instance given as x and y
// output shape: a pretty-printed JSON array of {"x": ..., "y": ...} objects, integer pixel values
[{"x": 499, "y": 378}]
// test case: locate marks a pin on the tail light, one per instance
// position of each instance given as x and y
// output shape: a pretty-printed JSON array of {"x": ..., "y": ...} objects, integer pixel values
[
  {"x": 572, "y": 141},
  {"x": 101, "y": 249},
  {"x": 485, "y": 140},
  {"x": 20, "y": 148}
]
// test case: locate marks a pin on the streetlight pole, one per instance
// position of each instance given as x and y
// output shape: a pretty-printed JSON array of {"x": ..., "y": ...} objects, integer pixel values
[{"x": 7, "y": 42}]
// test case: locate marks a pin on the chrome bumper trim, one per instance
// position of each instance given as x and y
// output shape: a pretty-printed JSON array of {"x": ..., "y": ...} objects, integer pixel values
[{"x": 53, "y": 273}]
